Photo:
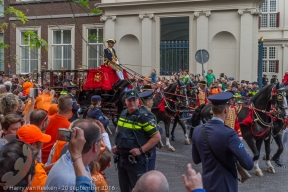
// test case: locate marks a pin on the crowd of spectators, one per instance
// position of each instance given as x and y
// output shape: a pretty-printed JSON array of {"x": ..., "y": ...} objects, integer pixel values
[{"x": 28, "y": 141}]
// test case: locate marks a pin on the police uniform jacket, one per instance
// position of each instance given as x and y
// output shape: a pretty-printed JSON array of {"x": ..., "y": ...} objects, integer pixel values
[
  {"x": 97, "y": 114},
  {"x": 143, "y": 128},
  {"x": 228, "y": 147}
]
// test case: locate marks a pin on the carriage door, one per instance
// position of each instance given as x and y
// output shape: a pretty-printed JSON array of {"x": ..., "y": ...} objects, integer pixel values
[{"x": 174, "y": 45}]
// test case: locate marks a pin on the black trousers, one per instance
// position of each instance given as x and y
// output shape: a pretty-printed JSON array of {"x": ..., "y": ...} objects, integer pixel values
[{"x": 128, "y": 174}]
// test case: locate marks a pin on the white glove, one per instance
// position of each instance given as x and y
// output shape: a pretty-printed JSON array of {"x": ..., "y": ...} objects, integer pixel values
[
  {"x": 117, "y": 62},
  {"x": 241, "y": 138},
  {"x": 79, "y": 110}
]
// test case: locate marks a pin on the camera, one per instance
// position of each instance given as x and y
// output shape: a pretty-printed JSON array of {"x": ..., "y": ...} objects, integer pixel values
[
  {"x": 34, "y": 92},
  {"x": 64, "y": 134}
]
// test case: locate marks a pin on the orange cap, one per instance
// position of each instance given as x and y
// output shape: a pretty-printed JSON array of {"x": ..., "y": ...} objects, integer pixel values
[
  {"x": 53, "y": 109},
  {"x": 31, "y": 133}
]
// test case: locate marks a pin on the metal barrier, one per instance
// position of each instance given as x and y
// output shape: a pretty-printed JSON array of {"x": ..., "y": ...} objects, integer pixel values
[{"x": 174, "y": 55}]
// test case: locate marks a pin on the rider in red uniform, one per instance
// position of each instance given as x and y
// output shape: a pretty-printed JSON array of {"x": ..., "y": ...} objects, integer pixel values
[{"x": 285, "y": 78}]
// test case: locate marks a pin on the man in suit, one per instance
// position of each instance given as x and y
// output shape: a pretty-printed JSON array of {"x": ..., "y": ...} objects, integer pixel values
[{"x": 219, "y": 176}]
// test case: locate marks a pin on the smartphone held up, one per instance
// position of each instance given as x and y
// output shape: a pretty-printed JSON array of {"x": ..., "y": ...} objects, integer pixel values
[{"x": 64, "y": 134}]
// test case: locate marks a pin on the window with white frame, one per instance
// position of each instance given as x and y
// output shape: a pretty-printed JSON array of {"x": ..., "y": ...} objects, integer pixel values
[
  {"x": 62, "y": 49},
  {"x": 270, "y": 16},
  {"x": 28, "y": 55},
  {"x": 2, "y": 9},
  {"x": 1, "y": 54},
  {"x": 94, "y": 47},
  {"x": 270, "y": 62}
]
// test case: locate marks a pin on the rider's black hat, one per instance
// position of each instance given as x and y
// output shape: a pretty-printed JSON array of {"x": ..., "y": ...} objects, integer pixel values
[{"x": 220, "y": 98}]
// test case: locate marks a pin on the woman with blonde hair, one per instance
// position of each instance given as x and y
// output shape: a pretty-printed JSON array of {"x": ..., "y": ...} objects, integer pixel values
[
  {"x": 97, "y": 167},
  {"x": 95, "y": 112}
]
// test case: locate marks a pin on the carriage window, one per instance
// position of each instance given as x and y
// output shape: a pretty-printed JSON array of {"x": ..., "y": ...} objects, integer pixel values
[
  {"x": 174, "y": 45},
  {"x": 62, "y": 49},
  {"x": 270, "y": 62},
  {"x": 95, "y": 47}
]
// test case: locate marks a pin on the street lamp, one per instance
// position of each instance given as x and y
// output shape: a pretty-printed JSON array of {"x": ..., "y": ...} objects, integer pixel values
[{"x": 260, "y": 61}]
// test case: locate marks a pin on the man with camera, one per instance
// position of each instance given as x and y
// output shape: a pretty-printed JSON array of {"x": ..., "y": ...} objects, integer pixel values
[{"x": 136, "y": 135}]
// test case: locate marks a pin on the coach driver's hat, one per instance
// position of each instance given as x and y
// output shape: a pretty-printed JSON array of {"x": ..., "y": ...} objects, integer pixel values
[
  {"x": 96, "y": 98},
  {"x": 221, "y": 98},
  {"x": 146, "y": 95},
  {"x": 111, "y": 41},
  {"x": 131, "y": 94}
]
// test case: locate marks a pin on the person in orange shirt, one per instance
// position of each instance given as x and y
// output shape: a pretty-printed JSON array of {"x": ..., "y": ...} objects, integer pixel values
[
  {"x": 215, "y": 89},
  {"x": 32, "y": 135},
  {"x": 97, "y": 167},
  {"x": 57, "y": 121}
]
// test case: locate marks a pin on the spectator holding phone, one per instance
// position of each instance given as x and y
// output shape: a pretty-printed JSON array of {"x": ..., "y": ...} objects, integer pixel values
[
  {"x": 210, "y": 77},
  {"x": 62, "y": 174}
]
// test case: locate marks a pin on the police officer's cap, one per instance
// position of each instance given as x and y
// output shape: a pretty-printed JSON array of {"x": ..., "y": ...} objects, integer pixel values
[
  {"x": 72, "y": 87},
  {"x": 254, "y": 83},
  {"x": 146, "y": 95},
  {"x": 221, "y": 98},
  {"x": 131, "y": 94},
  {"x": 96, "y": 98}
]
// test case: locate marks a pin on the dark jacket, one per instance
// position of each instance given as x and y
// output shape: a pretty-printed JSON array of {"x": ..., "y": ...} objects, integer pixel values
[
  {"x": 97, "y": 114},
  {"x": 265, "y": 81},
  {"x": 75, "y": 108},
  {"x": 228, "y": 147}
]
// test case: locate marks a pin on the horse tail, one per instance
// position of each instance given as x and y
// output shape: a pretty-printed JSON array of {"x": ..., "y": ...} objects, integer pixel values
[{"x": 196, "y": 117}]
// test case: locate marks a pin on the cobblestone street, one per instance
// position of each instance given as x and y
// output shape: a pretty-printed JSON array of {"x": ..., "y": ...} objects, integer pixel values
[{"x": 173, "y": 165}]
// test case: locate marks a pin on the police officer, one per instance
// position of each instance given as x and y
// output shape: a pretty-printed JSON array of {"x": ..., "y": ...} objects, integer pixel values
[
  {"x": 95, "y": 112},
  {"x": 136, "y": 135},
  {"x": 66, "y": 83},
  {"x": 147, "y": 101},
  {"x": 227, "y": 147},
  {"x": 75, "y": 106}
]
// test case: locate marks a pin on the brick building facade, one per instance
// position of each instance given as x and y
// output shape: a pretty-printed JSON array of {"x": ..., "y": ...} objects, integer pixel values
[{"x": 64, "y": 25}]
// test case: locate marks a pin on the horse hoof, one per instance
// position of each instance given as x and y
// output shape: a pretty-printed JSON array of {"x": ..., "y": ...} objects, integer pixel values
[
  {"x": 259, "y": 173},
  {"x": 172, "y": 149},
  {"x": 271, "y": 170},
  {"x": 172, "y": 138},
  {"x": 264, "y": 157},
  {"x": 187, "y": 142}
]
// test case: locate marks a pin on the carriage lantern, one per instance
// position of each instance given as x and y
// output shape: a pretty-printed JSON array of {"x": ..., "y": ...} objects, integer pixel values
[
  {"x": 35, "y": 74},
  {"x": 80, "y": 76}
]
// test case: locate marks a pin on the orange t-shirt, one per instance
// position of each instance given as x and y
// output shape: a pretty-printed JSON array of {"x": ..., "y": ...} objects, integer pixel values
[
  {"x": 39, "y": 179},
  {"x": 57, "y": 151},
  {"x": 100, "y": 182},
  {"x": 56, "y": 122}
]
